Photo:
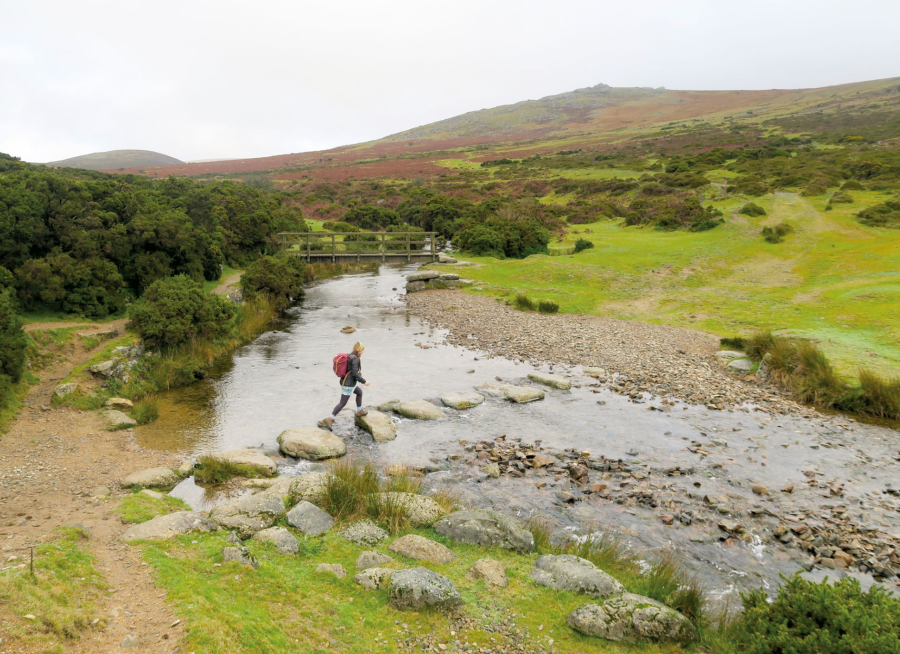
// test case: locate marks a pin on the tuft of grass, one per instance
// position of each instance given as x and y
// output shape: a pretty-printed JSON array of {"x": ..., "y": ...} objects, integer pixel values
[
  {"x": 759, "y": 343},
  {"x": 140, "y": 507},
  {"x": 548, "y": 306},
  {"x": 777, "y": 233},
  {"x": 388, "y": 511},
  {"x": 542, "y": 529},
  {"x": 733, "y": 343},
  {"x": 877, "y": 396},
  {"x": 447, "y": 499},
  {"x": 348, "y": 487},
  {"x": 209, "y": 469},
  {"x": 146, "y": 411},
  {"x": 523, "y": 302}
]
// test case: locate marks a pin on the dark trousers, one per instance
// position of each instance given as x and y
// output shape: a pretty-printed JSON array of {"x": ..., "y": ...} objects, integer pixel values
[{"x": 340, "y": 405}]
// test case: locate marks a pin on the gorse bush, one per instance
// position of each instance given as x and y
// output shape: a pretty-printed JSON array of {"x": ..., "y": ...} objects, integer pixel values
[
  {"x": 886, "y": 214},
  {"x": 281, "y": 277},
  {"x": 752, "y": 209},
  {"x": 583, "y": 244},
  {"x": 777, "y": 233},
  {"x": 13, "y": 345}
]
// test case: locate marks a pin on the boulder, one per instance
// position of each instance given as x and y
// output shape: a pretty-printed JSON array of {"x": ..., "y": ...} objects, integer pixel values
[
  {"x": 551, "y": 380},
  {"x": 281, "y": 537},
  {"x": 449, "y": 277},
  {"x": 422, "y": 276},
  {"x": 490, "y": 571},
  {"x": 725, "y": 356},
  {"x": 63, "y": 390},
  {"x": 119, "y": 403},
  {"x": 106, "y": 368},
  {"x": 462, "y": 400},
  {"x": 185, "y": 468},
  {"x": 631, "y": 617},
  {"x": 311, "y": 443},
  {"x": 445, "y": 258},
  {"x": 420, "y": 509},
  {"x": 151, "y": 478},
  {"x": 379, "y": 425},
  {"x": 250, "y": 458},
  {"x": 364, "y": 532},
  {"x": 415, "y": 287},
  {"x": 334, "y": 568},
  {"x": 518, "y": 394},
  {"x": 309, "y": 519},
  {"x": 102, "y": 491},
  {"x": 422, "y": 549},
  {"x": 740, "y": 366},
  {"x": 309, "y": 487},
  {"x": 169, "y": 525},
  {"x": 249, "y": 514},
  {"x": 419, "y": 410},
  {"x": 572, "y": 573},
  {"x": 118, "y": 420},
  {"x": 239, "y": 554},
  {"x": 374, "y": 578},
  {"x": 372, "y": 559},
  {"x": 485, "y": 528},
  {"x": 419, "y": 588}
]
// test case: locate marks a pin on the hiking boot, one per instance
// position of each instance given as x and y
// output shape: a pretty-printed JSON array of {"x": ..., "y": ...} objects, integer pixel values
[
  {"x": 361, "y": 412},
  {"x": 327, "y": 423}
]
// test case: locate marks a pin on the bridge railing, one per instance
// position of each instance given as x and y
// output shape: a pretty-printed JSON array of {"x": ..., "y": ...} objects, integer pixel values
[{"x": 360, "y": 246}]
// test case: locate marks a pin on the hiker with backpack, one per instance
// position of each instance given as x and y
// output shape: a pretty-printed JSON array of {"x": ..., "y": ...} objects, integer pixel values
[{"x": 348, "y": 368}]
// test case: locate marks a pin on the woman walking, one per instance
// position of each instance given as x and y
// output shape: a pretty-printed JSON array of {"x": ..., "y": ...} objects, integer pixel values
[{"x": 349, "y": 387}]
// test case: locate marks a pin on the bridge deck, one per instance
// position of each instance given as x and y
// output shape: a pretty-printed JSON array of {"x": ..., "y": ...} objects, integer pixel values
[{"x": 360, "y": 247}]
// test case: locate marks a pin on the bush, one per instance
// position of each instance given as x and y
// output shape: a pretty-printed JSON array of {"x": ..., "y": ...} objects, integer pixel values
[
  {"x": 752, "y": 209},
  {"x": 810, "y": 618},
  {"x": 851, "y": 185},
  {"x": 583, "y": 244},
  {"x": 281, "y": 277},
  {"x": 12, "y": 339},
  {"x": 733, "y": 343},
  {"x": 524, "y": 303},
  {"x": 367, "y": 217},
  {"x": 91, "y": 287},
  {"x": 886, "y": 214},
  {"x": 175, "y": 310},
  {"x": 777, "y": 233},
  {"x": 548, "y": 306},
  {"x": 840, "y": 197},
  {"x": 480, "y": 240},
  {"x": 814, "y": 189}
]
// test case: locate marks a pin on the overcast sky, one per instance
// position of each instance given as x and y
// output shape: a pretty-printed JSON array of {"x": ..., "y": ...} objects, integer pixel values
[{"x": 214, "y": 79}]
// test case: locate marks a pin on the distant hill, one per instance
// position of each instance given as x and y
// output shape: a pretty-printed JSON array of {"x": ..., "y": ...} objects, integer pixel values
[{"x": 115, "y": 159}]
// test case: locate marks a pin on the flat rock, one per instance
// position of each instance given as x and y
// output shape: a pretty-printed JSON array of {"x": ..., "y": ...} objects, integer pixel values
[
  {"x": 169, "y": 525},
  {"x": 364, "y": 532},
  {"x": 281, "y": 537},
  {"x": 593, "y": 371},
  {"x": 309, "y": 487},
  {"x": 422, "y": 276},
  {"x": 419, "y": 410},
  {"x": 724, "y": 356},
  {"x": 379, "y": 425},
  {"x": 311, "y": 443},
  {"x": 250, "y": 458},
  {"x": 250, "y": 514},
  {"x": 239, "y": 554},
  {"x": 102, "y": 491},
  {"x": 63, "y": 390},
  {"x": 572, "y": 573},
  {"x": 420, "y": 509},
  {"x": 372, "y": 559},
  {"x": 420, "y": 548},
  {"x": 449, "y": 277},
  {"x": 151, "y": 478},
  {"x": 517, "y": 394},
  {"x": 374, "y": 578},
  {"x": 309, "y": 519},
  {"x": 333, "y": 568},
  {"x": 739, "y": 366},
  {"x": 152, "y": 493},
  {"x": 420, "y": 588},
  {"x": 631, "y": 617},
  {"x": 485, "y": 528},
  {"x": 551, "y": 380},
  {"x": 489, "y": 571},
  {"x": 118, "y": 420},
  {"x": 119, "y": 403},
  {"x": 462, "y": 400}
]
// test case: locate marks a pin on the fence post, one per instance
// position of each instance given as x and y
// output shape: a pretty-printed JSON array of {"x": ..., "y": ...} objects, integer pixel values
[
  {"x": 358, "y": 247},
  {"x": 308, "y": 249},
  {"x": 408, "y": 249},
  {"x": 333, "y": 250}
]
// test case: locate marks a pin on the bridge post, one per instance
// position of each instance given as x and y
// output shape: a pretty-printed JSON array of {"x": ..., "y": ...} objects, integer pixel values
[
  {"x": 308, "y": 249},
  {"x": 358, "y": 247},
  {"x": 408, "y": 249},
  {"x": 383, "y": 254},
  {"x": 333, "y": 250}
]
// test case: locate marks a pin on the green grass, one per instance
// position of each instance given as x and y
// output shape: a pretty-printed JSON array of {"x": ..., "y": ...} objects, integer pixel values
[
  {"x": 140, "y": 507},
  {"x": 210, "y": 469}
]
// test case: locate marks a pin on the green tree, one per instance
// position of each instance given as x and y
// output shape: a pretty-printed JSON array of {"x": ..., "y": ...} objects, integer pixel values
[{"x": 281, "y": 277}]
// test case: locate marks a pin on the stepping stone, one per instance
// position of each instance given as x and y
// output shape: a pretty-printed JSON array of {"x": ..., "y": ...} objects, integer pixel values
[
  {"x": 420, "y": 509},
  {"x": 372, "y": 559},
  {"x": 420, "y": 588},
  {"x": 364, "y": 532},
  {"x": 167, "y": 526},
  {"x": 334, "y": 568},
  {"x": 250, "y": 514},
  {"x": 118, "y": 420},
  {"x": 309, "y": 519},
  {"x": 250, "y": 458},
  {"x": 592, "y": 371},
  {"x": 419, "y": 410},
  {"x": 490, "y": 571},
  {"x": 311, "y": 443},
  {"x": 551, "y": 380},
  {"x": 572, "y": 573},
  {"x": 485, "y": 528},
  {"x": 119, "y": 403},
  {"x": 422, "y": 549},
  {"x": 517, "y": 394},
  {"x": 281, "y": 537},
  {"x": 632, "y": 617},
  {"x": 379, "y": 425},
  {"x": 150, "y": 478},
  {"x": 462, "y": 401},
  {"x": 374, "y": 578},
  {"x": 422, "y": 276}
]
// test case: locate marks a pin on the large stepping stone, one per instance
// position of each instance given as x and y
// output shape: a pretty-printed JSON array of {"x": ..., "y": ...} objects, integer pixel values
[
  {"x": 311, "y": 443},
  {"x": 250, "y": 514},
  {"x": 364, "y": 532},
  {"x": 423, "y": 276},
  {"x": 420, "y": 588},
  {"x": 489, "y": 570},
  {"x": 151, "y": 478},
  {"x": 421, "y": 510},
  {"x": 517, "y": 394},
  {"x": 572, "y": 573},
  {"x": 419, "y": 410},
  {"x": 281, "y": 538},
  {"x": 118, "y": 420},
  {"x": 462, "y": 400},
  {"x": 372, "y": 559},
  {"x": 374, "y": 578},
  {"x": 551, "y": 380},
  {"x": 167, "y": 526},
  {"x": 379, "y": 425},
  {"x": 420, "y": 548},
  {"x": 485, "y": 528},
  {"x": 631, "y": 617},
  {"x": 309, "y": 487},
  {"x": 309, "y": 519},
  {"x": 250, "y": 458}
]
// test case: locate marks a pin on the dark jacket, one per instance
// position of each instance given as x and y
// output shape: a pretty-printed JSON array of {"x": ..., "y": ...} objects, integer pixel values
[{"x": 354, "y": 370}]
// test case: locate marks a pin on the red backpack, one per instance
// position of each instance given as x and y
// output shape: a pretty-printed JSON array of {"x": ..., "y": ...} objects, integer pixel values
[{"x": 339, "y": 363}]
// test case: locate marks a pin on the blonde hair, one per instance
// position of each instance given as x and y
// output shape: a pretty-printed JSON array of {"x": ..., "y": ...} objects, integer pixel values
[{"x": 358, "y": 347}]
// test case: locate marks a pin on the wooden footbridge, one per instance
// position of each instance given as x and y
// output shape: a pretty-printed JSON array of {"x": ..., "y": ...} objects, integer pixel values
[{"x": 361, "y": 247}]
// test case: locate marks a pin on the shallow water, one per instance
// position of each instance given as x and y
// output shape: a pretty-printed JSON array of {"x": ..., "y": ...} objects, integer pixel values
[{"x": 284, "y": 379}]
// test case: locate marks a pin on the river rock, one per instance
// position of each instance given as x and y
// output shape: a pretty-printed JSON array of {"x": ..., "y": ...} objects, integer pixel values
[
  {"x": 119, "y": 403},
  {"x": 239, "y": 554},
  {"x": 415, "y": 287},
  {"x": 63, "y": 390},
  {"x": 419, "y": 410},
  {"x": 379, "y": 425},
  {"x": 372, "y": 559},
  {"x": 250, "y": 458},
  {"x": 449, "y": 277},
  {"x": 420, "y": 588},
  {"x": 462, "y": 401},
  {"x": 334, "y": 568},
  {"x": 422, "y": 276},
  {"x": 151, "y": 493},
  {"x": 309, "y": 519},
  {"x": 311, "y": 443},
  {"x": 490, "y": 571},
  {"x": 422, "y": 549},
  {"x": 118, "y": 420},
  {"x": 445, "y": 258},
  {"x": 572, "y": 573},
  {"x": 250, "y": 514},
  {"x": 169, "y": 525},
  {"x": 364, "y": 532},
  {"x": 374, "y": 578},
  {"x": 281, "y": 537},
  {"x": 105, "y": 368},
  {"x": 420, "y": 509},
  {"x": 739, "y": 366},
  {"x": 518, "y": 394},
  {"x": 485, "y": 528},
  {"x": 551, "y": 380},
  {"x": 724, "y": 356},
  {"x": 631, "y": 617},
  {"x": 150, "y": 478},
  {"x": 185, "y": 468},
  {"x": 103, "y": 491},
  {"x": 309, "y": 487},
  {"x": 592, "y": 371}
]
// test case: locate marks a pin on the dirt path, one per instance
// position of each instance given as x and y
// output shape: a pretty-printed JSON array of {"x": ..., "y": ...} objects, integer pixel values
[
  {"x": 228, "y": 284},
  {"x": 89, "y": 327},
  {"x": 51, "y": 461}
]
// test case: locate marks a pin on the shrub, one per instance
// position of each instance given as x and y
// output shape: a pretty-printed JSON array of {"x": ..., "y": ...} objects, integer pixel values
[
  {"x": 814, "y": 189},
  {"x": 752, "y": 209},
  {"x": 91, "y": 286},
  {"x": 886, "y": 214},
  {"x": 368, "y": 217},
  {"x": 12, "y": 339},
  {"x": 777, "y": 233},
  {"x": 851, "y": 185},
  {"x": 282, "y": 277},
  {"x": 810, "y": 618},
  {"x": 548, "y": 306},
  {"x": 480, "y": 240},
  {"x": 524, "y": 303},
  {"x": 841, "y": 197},
  {"x": 175, "y": 310},
  {"x": 583, "y": 244}
]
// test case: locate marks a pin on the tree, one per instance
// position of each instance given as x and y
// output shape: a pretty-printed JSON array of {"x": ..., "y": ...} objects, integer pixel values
[{"x": 281, "y": 277}]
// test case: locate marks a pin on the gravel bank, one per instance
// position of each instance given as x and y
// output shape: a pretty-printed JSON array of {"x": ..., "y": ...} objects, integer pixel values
[{"x": 640, "y": 358}]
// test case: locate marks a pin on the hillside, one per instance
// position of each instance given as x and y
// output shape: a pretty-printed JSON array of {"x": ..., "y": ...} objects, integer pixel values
[{"x": 115, "y": 159}]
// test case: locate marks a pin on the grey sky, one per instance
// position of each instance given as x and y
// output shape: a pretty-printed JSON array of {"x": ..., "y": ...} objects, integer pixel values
[{"x": 205, "y": 79}]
